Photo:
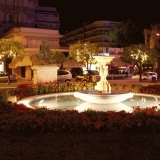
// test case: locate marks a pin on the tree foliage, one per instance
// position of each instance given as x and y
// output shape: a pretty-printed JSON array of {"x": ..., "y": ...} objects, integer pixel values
[
  {"x": 51, "y": 56},
  {"x": 44, "y": 53},
  {"x": 125, "y": 33},
  {"x": 155, "y": 43},
  {"x": 139, "y": 54},
  {"x": 11, "y": 49},
  {"x": 58, "y": 57},
  {"x": 48, "y": 56},
  {"x": 84, "y": 52}
]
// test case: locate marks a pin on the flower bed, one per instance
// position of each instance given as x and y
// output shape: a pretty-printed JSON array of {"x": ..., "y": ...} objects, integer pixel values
[
  {"x": 25, "y": 90},
  {"x": 18, "y": 118}
]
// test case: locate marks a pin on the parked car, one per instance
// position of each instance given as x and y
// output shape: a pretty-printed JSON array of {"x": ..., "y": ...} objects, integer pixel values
[
  {"x": 64, "y": 75},
  {"x": 149, "y": 76},
  {"x": 4, "y": 77},
  {"x": 94, "y": 74},
  {"x": 146, "y": 76}
]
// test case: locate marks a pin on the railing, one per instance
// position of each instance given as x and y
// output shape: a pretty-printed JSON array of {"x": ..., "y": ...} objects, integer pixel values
[
  {"x": 17, "y": 9},
  {"x": 13, "y": 24},
  {"x": 29, "y": 10},
  {"x": 10, "y": 8},
  {"x": 8, "y": 26}
]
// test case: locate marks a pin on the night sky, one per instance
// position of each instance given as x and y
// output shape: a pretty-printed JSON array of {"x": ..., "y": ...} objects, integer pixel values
[{"x": 73, "y": 14}]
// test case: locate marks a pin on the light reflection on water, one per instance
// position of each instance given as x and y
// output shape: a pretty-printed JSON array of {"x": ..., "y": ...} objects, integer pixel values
[{"x": 69, "y": 102}]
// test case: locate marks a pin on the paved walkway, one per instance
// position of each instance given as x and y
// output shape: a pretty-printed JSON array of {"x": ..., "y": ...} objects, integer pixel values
[
  {"x": 132, "y": 81},
  {"x": 13, "y": 85}
]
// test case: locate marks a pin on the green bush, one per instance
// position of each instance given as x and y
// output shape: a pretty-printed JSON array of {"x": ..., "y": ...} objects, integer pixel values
[
  {"x": 4, "y": 95},
  {"x": 18, "y": 118}
]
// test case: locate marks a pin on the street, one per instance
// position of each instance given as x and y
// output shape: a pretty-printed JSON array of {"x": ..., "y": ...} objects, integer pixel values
[{"x": 132, "y": 81}]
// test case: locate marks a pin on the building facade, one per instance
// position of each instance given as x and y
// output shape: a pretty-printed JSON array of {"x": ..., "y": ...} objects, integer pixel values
[
  {"x": 27, "y": 13},
  {"x": 95, "y": 32},
  {"x": 29, "y": 23}
]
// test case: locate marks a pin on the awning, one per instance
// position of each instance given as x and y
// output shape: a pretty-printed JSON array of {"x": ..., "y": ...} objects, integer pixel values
[
  {"x": 72, "y": 64},
  {"x": 117, "y": 62}
]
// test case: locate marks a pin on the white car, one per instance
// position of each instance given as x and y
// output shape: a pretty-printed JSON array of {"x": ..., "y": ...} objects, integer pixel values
[
  {"x": 149, "y": 76},
  {"x": 64, "y": 75}
]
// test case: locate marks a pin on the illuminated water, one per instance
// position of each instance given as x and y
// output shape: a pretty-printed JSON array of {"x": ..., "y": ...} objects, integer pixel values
[{"x": 67, "y": 101}]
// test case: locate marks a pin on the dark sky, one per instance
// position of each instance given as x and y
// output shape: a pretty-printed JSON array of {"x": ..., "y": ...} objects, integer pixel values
[{"x": 73, "y": 13}]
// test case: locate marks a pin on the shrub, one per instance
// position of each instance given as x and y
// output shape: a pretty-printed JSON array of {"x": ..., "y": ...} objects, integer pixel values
[
  {"x": 5, "y": 95},
  {"x": 18, "y": 118}
]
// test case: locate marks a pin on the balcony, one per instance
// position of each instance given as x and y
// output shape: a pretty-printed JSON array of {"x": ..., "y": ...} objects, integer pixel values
[
  {"x": 10, "y": 8},
  {"x": 29, "y": 10}
]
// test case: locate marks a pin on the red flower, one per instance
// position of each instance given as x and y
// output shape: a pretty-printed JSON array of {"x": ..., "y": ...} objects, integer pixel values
[{"x": 21, "y": 105}]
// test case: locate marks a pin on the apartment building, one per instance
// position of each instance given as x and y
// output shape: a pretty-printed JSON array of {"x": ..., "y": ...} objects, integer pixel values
[
  {"x": 29, "y": 23},
  {"x": 95, "y": 32},
  {"x": 27, "y": 13}
]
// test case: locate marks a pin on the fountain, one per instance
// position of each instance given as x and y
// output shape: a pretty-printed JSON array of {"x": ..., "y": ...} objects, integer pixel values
[
  {"x": 103, "y": 94},
  {"x": 103, "y": 98},
  {"x": 67, "y": 101}
]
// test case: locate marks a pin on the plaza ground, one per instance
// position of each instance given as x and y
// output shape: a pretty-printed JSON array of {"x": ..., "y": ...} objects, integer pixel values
[{"x": 114, "y": 81}]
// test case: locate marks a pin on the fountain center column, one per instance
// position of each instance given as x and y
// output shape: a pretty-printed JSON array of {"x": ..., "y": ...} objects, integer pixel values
[{"x": 103, "y": 86}]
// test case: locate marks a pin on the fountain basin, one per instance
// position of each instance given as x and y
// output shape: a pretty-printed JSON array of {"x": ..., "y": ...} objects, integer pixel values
[
  {"x": 92, "y": 96},
  {"x": 62, "y": 101}
]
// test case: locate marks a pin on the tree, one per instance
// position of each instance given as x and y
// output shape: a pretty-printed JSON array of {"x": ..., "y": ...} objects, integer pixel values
[
  {"x": 152, "y": 38},
  {"x": 58, "y": 57},
  {"x": 11, "y": 49},
  {"x": 125, "y": 33},
  {"x": 44, "y": 54},
  {"x": 47, "y": 56},
  {"x": 139, "y": 55},
  {"x": 84, "y": 52}
]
